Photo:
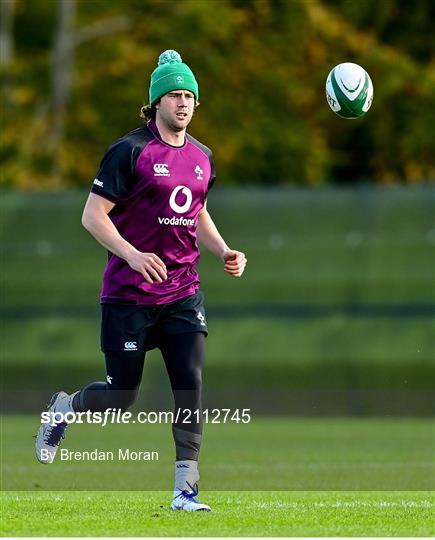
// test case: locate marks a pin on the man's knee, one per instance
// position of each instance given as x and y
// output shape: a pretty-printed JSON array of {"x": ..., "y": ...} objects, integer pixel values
[
  {"x": 121, "y": 399},
  {"x": 100, "y": 396},
  {"x": 193, "y": 378}
]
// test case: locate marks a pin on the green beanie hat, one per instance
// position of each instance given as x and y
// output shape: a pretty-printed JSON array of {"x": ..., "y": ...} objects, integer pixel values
[{"x": 171, "y": 74}]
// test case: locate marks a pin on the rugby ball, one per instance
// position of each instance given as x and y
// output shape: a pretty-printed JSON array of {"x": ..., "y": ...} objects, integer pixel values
[{"x": 349, "y": 90}]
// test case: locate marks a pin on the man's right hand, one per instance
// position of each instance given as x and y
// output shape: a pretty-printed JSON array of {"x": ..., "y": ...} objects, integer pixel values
[
  {"x": 149, "y": 265},
  {"x": 96, "y": 220}
]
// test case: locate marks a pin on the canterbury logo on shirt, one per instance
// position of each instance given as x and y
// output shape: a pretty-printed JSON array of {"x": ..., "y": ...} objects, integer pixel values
[{"x": 161, "y": 169}]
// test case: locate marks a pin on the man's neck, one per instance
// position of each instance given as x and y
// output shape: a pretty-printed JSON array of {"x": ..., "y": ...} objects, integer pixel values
[{"x": 174, "y": 138}]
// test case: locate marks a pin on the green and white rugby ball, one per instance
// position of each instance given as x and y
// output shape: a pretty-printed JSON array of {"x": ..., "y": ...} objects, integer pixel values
[{"x": 349, "y": 90}]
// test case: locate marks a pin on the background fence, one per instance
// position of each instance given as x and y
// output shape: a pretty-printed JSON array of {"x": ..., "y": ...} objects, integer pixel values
[{"x": 333, "y": 316}]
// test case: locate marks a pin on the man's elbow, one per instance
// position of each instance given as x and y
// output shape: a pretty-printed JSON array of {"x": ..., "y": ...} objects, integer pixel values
[{"x": 86, "y": 220}]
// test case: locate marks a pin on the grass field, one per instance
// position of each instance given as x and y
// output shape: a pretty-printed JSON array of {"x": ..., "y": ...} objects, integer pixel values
[
  {"x": 337, "y": 454},
  {"x": 282, "y": 477},
  {"x": 272, "y": 477},
  {"x": 355, "y": 270},
  {"x": 237, "y": 513}
]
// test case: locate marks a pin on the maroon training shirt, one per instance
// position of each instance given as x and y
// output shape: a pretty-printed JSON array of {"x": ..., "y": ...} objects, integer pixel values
[{"x": 158, "y": 190}]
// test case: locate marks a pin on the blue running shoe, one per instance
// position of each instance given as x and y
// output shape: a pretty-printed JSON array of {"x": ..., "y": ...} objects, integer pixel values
[{"x": 185, "y": 500}]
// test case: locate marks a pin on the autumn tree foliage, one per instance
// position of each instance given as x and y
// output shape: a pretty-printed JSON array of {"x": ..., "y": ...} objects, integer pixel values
[{"x": 74, "y": 74}]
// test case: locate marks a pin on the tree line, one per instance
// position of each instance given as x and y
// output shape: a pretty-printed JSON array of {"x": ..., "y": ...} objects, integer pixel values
[{"x": 74, "y": 74}]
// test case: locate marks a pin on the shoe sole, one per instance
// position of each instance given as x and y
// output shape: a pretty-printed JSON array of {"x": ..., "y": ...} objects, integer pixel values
[{"x": 182, "y": 510}]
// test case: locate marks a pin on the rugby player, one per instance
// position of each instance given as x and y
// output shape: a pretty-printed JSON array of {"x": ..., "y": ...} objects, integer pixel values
[{"x": 148, "y": 208}]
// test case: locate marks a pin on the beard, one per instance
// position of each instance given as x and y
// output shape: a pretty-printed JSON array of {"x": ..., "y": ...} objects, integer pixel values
[
  {"x": 177, "y": 124},
  {"x": 177, "y": 127}
]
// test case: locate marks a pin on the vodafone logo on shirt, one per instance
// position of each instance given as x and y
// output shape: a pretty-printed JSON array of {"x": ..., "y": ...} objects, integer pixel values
[{"x": 179, "y": 208}]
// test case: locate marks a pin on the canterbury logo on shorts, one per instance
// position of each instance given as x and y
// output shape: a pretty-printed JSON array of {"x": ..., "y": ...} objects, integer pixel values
[{"x": 130, "y": 346}]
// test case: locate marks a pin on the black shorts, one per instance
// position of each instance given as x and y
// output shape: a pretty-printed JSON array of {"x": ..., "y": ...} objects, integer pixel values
[{"x": 136, "y": 329}]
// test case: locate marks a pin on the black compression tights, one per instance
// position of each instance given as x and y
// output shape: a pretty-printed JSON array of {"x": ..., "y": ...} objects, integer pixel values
[{"x": 184, "y": 357}]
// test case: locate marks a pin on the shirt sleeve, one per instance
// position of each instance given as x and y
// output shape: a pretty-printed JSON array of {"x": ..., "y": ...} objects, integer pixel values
[
  {"x": 212, "y": 174},
  {"x": 115, "y": 178}
]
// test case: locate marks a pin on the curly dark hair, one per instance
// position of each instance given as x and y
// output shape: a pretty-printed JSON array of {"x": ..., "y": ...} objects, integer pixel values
[{"x": 148, "y": 112}]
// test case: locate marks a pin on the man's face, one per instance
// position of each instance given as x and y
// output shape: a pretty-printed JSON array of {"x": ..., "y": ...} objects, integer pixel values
[{"x": 176, "y": 109}]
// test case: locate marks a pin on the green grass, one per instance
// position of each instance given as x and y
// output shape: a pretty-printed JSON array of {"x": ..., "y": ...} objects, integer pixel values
[
  {"x": 336, "y": 477},
  {"x": 324, "y": 454},
  {"x": 238, "y": 513}
]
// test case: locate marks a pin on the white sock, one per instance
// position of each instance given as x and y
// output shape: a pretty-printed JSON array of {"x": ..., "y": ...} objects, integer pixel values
[
  {"x": 186, "y": 474},
  {"x": 64, "y": 405}
]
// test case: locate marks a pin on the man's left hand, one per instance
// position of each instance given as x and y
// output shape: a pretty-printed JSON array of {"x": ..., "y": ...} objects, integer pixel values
[{"x": 235, "y": 262}]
